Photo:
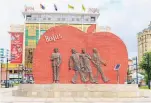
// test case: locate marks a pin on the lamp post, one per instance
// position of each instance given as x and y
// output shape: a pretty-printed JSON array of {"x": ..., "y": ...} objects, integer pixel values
[
  {"x": 18, "y": 74},
  {"x": 22, "y": 69},
  {"x": 7, "y": 54},
  {"x": 1, "y": 60}
]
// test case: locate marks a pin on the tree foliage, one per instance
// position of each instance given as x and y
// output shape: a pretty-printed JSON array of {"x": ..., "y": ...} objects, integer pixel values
[{"x": 145, "y": 65}]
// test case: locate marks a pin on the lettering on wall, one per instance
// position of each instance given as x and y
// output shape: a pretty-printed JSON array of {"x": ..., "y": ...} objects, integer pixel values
[{"x": 53, "y": 38}]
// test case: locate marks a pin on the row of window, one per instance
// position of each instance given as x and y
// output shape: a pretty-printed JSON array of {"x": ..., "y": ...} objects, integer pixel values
[
  {"x": 144, "y": 37},
  {"x": 91, "y": 19}
]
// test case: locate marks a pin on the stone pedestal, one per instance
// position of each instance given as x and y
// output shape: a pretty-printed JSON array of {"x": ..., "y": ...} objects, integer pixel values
[{"x": 78, "y": 90}]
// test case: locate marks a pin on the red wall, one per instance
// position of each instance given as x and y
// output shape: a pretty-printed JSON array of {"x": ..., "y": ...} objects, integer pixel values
[{"x": 111, "y": 48}]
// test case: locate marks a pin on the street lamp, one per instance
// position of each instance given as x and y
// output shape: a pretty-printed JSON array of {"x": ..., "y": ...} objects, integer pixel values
[
  {"x": 8, "y": 58},
  {"x": 7, "y": 55},
  {"x": 1, "y": 60},
  {"x": 22, "y": 69}
]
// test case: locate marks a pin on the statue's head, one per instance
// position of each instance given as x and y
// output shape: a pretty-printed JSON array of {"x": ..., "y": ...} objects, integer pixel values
[
  {"x": 83, "y": 50},
  {"x": 73, "y": 51},
  {"x": 95, "y": 50},
  {"x": 55, "y": 50}
]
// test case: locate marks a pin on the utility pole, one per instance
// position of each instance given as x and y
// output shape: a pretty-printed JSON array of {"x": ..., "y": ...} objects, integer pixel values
[
  {"x": 1, "y": 60},
  {"x": 7, "y": 84}
]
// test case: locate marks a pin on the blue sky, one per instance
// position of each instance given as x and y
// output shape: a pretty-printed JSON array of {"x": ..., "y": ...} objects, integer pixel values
[{"x": 125, "y": 17}]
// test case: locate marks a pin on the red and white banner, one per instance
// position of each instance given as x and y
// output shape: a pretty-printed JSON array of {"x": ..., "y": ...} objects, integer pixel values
[{"x": 16, "y": 47}]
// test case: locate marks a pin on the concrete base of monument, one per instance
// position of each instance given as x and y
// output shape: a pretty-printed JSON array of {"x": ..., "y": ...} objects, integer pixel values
[{"x": 78, "y": 90}]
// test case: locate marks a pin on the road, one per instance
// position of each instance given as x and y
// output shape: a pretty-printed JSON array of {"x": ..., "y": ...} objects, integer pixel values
[{"x": 6, "y": 97}]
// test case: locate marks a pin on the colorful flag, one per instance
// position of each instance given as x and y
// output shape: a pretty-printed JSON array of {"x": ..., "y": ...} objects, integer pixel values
[
  {"x": 42, "y": 6},
  {"x": 55, "y": 7},
  {"x": 70, "y": 6},
  {"x": 83, "y": 8}
]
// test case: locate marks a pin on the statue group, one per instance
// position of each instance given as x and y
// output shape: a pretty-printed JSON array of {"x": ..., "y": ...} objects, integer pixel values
[{"x": 80, "y": 63}]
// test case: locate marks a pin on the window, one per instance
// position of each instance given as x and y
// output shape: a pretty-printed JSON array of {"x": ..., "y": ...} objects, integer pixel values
[
  {"x": 28, "y": 16},
  {"x": 78, "y": 19},
  {"x": 49, "y": 18},
  {"x": 58, "y": 19},
  {"x": 63, "y": 19},
  {"x": 15, "y": 71},
  {"x": 92, "y": 18},
  {"x": 72, "y": 19},
  {"x": 86, "y": 19},
  {"x": 10, "y": 71},
  {"x": 35, "y": 18}
]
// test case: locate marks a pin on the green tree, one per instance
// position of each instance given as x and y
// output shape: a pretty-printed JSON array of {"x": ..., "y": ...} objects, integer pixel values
[{"x": 146, "y": 66}]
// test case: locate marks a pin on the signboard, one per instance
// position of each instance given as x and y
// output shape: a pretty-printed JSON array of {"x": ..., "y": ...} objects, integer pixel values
[
  {"x": 17, "y": 28},
  {"x": 107, "y": 28},
  {"x": 29, "y": 8},
  {"x": 93, "y": 10},
  {"x": 15, "y": 76},
  {"x": 117, "y": 67},
  {"x": 16, "y": 47}
]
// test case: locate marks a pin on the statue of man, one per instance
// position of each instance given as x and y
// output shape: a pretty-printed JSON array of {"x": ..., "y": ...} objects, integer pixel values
[
  {"x": 74, "y": 62},
  {"x": 97, "y": 62},
  {"x": 85, "y": 65},
  {"x": 56, "y": 61}
]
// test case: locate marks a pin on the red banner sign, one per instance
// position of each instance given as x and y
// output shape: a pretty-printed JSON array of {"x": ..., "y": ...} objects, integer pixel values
[{"x": 16, "y": 47}]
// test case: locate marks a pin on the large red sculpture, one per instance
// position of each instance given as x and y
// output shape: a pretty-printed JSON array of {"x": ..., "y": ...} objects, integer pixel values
[{"x": 111, "y": 48}]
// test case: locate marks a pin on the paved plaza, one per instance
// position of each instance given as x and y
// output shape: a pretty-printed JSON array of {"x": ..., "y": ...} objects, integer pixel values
[{"x": 6, "y": 97}]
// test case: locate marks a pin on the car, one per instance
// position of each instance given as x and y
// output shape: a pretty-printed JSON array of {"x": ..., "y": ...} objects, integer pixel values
[{"x": 8, "y": 83}]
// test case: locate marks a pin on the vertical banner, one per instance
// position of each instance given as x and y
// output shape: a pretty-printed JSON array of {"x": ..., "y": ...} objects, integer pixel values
[{"x": 16, "y": 47}]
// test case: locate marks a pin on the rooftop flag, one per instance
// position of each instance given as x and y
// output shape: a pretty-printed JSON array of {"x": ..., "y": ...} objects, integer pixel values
[
  {"x": 83, "y": 8},
  {"x": 70, "y": 6},
  {"x": 42, "y": 6},
  {"x": 55, "y": 7}
]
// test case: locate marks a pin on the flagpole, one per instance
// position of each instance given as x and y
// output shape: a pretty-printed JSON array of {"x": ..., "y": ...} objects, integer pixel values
[
  {"x": 39, "y": 31},
  {"x": 82, "y": 21},
  {"x": 68, "y": 15}
]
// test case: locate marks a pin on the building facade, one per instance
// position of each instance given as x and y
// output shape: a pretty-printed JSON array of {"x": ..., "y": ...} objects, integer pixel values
[
  {"x": 144, "y": 42},
  {"x": 37, "y": 23}
]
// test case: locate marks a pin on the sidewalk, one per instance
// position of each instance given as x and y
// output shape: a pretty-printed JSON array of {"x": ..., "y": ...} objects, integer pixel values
[{"x": 6, "y": 97}]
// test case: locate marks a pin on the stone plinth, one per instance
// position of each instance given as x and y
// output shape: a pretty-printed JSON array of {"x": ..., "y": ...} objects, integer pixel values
[{"x": 77, "y": 90}]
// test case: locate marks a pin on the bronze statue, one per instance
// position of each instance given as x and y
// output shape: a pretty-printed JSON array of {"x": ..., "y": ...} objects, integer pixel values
[
  {"x": 56, "y": 61},
  {"x": 97, "y": 62},
  {"x": 74, "y": 62},
  {"x": 85, "y": 65}
]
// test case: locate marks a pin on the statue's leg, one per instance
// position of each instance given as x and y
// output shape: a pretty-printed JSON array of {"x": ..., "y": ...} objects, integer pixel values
[
  {"x": 102, "y": 74},
  {"x": 57, "y": 74},
  {"x": 97, "y": 74},
  {"x": 53, "y": 69},
  {"x": 82, "y": 76},
  {"x": 74, "y": 79},
  {"x": 92, "y": 80}
]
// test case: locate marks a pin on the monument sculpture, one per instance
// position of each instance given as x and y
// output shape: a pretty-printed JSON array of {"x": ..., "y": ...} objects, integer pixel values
[
  {"x": 85, "y": 65},
  {"x": 56, "y": 61},
  {"x": 105, "y": 42},
  {"x": 97, "y": 62},
  {"x": 74, "y": 62}
]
